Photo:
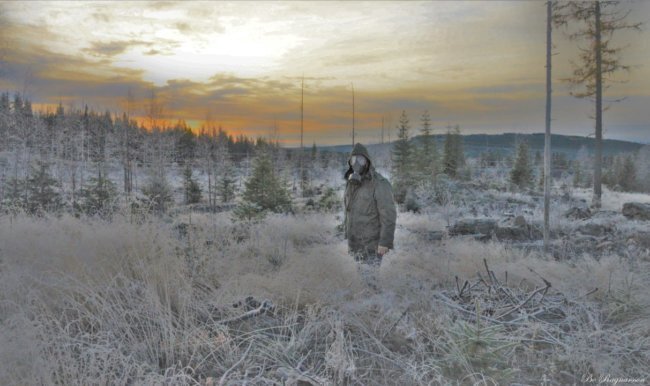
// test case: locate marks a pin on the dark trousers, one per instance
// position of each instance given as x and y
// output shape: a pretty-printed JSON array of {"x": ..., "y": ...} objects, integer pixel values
[
  {"x": 366, "y": 255},
  {"x": 368, "y": 266}
]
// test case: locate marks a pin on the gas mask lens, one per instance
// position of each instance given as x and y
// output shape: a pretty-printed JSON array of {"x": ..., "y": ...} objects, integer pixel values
[{"x": 358, "y": 159}]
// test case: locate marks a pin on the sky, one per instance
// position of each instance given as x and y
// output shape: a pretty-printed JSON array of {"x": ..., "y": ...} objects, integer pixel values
[{"x": 476, "y": 64}]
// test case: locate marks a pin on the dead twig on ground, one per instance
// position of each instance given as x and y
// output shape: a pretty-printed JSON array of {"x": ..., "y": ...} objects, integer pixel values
[
  {"x": 396, "y": 323},
  {"x": 233, "y": 367},
  {"x": 523, "y": 303},
  {"x": 263, "y": 308}
]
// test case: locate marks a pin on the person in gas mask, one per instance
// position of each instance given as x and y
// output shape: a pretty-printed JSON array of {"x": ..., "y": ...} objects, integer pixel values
[{"x": 369, "y": 213}]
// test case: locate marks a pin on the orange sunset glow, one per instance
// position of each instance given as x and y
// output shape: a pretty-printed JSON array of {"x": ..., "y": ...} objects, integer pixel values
[{"x": 240, "y": 65}]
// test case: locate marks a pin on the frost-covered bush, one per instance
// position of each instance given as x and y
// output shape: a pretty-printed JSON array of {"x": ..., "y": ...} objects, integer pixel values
[{"x": 158, "y": 193}]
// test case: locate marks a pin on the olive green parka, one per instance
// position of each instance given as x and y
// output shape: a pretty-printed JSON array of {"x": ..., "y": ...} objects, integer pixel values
[{"x": 370, "y": 212}]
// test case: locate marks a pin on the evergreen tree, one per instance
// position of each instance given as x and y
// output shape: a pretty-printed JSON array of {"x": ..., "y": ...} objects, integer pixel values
[
  {"x": 18, "y": 105},
  {"x": 5, "y": 114},
  {"x": 428, "y": 154},
  {"x": 459, "y": 149},
  {"x": 98, "y": 129},
  {"x": 314, "y": 153},
  {"x": 577, "y": 175},
  {"x": 185, "y": 144},
  {"x": 265, "y": 190},
  {"x": 581, "y": 168},
  {"x": 449, "y": 158},
  {"x": 305, "y": 185},
  {"x": 98, "y": 197},
  {"x": 329, "y": 200},
  {"x": 402, "y": 157},
  {"x": 642, "y": 166},
  {"x": 612, "y": 176},
  {"x": 608, "y": 176},
  {"x": 40, "y": 189},
  {"x": 622, "y": 174},
  {"x": 538, "y": 158},
  {"x": 454, "y": 155},
  {"x": 15, "y": 193},
  {"x": 226, "y": 182},
  {"x": 248, "y": 211},
  {"x": 522, "y": 173},
  {"x": 559, "y": 161},
  {"x": 540, "y": 182},
  {"x": 226, "y": 187},
  {"x": 627, "y": 177},
  {"x": 127, "y": 133},
  {"x": 191, "y": 187},
  {"x": 5, "y": 106}
]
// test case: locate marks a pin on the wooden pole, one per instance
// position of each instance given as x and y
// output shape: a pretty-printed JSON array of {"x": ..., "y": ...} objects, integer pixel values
[
  {"x": 302, "y": 111},
  {"x": 302, "y": 127},
  {"x": 353, "y": 115}
]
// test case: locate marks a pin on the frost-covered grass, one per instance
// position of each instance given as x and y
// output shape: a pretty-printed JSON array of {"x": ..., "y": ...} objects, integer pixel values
[{"x": 84, "y": 301}]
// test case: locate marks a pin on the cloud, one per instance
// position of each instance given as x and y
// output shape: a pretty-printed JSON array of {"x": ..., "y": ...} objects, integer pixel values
[
  {"x": 476, "y": 64},
  {"x": 101, "y": 17},
  {"x": 509, "y": 90},
  {"x": 113, "y": 48},
  {"x": 153, "y": 52},
  {"x": 47, "y": 77},
  {"x": 161, "y": 5},
  {"x": 183, "y": 27}
]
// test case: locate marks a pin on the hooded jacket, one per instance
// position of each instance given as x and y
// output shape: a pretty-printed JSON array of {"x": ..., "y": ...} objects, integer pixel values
[{"x": 369, "y": 209}]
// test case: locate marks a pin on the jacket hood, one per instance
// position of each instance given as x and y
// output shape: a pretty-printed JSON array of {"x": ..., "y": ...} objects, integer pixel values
[{"x": 359, "y": 149}]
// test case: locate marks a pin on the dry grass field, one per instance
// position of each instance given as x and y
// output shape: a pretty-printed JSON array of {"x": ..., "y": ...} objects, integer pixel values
[{"x": 213, "y": 301}]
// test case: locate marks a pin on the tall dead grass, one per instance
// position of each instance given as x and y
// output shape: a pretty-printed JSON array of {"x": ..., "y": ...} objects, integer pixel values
[{"x": 91, "y": 302}]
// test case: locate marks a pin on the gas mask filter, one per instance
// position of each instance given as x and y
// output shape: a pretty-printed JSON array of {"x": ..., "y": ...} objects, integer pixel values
[{"x": 359, "y": 165}]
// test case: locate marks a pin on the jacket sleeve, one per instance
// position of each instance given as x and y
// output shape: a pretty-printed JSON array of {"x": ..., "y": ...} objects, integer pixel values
[{"x": 387, "y": 213}]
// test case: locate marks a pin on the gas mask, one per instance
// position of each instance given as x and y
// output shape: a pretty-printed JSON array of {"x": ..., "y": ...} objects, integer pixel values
[{"x": 359, "y": 165}]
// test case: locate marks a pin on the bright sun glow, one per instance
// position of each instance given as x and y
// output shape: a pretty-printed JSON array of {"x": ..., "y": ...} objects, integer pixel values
[{"x": 249, "y": 49}]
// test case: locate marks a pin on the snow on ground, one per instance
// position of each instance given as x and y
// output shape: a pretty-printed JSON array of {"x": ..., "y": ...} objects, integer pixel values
[{"x": 612, "y": 200}]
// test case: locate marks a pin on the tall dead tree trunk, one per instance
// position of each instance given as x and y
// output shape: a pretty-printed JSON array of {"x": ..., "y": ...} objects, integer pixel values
[
  {"x": 598, "y": 161},
  {"x": 547, "y": 135}
]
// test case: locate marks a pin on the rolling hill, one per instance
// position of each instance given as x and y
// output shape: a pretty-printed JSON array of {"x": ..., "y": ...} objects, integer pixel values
[{"x": 505, "y": 144}]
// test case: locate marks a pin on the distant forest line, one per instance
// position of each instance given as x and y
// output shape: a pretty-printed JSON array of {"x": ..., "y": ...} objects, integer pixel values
[
  {"x": 82, "y": 159},
  {"x": 506, "y": 144}
]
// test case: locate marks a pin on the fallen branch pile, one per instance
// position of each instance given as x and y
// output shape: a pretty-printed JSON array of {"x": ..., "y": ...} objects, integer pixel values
[
  {"x": 552, "y": 325},
  {"x": 493, "y": 300}
]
